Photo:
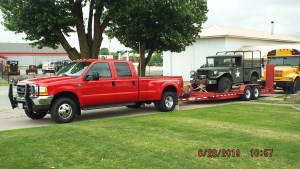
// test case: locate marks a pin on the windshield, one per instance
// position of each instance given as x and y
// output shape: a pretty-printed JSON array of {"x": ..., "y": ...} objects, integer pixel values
[
  {"x": 284, "y": 61},
  {"x": 223, "y": 62},
  {"x": 74, "y": 69}
]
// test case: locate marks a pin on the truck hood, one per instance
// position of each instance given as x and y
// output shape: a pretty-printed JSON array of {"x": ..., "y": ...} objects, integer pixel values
[{"x": 45, "y": 81}]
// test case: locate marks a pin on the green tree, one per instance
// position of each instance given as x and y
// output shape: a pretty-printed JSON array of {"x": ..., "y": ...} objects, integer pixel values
[
  {"x": 104, "y": 51},
  {"x": 156, "y": 59},
  {"x": 48, "y": 22},
  {"x": 155, "y": 25}
]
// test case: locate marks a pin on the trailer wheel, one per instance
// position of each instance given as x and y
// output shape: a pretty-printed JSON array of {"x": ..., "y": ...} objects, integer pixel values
[
  {"x": 36, "y": 114},
  {"x": 63, "y": 110},
  {"x": 224, "y": 84},
  {"x": 168, "y": 101},
  {"x": 247, "y": 94},
  {"x": 135, "y": 106},
  {"x": 255, "y": 92}
]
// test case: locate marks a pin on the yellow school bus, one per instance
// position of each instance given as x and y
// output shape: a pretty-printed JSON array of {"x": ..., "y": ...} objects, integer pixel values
[{"x": 287, "y": 68}]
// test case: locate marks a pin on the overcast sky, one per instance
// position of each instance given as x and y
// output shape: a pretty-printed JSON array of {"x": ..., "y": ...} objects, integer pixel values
[{"x": 255, "y": 14}]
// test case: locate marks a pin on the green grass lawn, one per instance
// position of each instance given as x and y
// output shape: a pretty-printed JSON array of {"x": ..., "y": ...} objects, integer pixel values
[
  {"x": 3, "y": 84},
  {"x": 165, "y": 140}
]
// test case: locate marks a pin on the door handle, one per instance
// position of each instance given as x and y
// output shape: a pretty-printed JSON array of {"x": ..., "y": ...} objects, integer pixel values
[
  {"x": 113, "y": 84},
  {"x": 133, "y": 83}
]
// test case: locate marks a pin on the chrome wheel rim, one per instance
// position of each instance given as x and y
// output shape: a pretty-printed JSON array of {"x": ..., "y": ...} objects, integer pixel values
[
  {"x": 65, "y": 111},
  {"x": 169, "y": 102},
  {"x": 256, "y": 92},
  {"x": 248, "y": 93}
]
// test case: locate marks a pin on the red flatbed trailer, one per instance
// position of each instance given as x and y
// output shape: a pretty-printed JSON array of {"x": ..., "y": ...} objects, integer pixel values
[{"x": 244, "y": 91}]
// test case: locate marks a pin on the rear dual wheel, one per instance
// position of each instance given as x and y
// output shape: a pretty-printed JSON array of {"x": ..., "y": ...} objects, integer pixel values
[
  {"x": 167, "y": 103},
  {"x": 251, "y": 93}
]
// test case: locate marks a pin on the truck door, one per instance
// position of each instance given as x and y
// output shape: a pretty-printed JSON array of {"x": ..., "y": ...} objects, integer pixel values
[
  {"x": 237, "y": 70},
  {"x": 102, "y": 91},
  {"x": 126, "y": 84}
]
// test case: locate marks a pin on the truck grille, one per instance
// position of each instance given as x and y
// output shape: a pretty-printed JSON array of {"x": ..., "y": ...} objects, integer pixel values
[
  {"x": 278, "y": 73},
  {"x": 21, "y": 90},
  {"x": 203, "y": 72}
]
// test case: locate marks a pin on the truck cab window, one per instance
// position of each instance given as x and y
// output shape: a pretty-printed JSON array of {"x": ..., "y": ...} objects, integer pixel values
[
  {"x": 123, "y": 69},
  {"x": 102, "y": 68}
]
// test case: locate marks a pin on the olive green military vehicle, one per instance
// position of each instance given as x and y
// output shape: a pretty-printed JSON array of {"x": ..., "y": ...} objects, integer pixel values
[{"x": 226, "y": 69}]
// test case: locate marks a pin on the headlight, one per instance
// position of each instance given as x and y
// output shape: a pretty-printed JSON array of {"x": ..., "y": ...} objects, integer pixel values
[
  {"x": 215, "y": 72},
  {"x": 38, "y": 90},
  {"x": 43, "y": 91},
  {"x": 192, "y": 73}
]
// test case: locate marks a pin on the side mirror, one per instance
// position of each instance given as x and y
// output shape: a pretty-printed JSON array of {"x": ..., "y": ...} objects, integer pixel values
[{"x": 96, "y": 76}]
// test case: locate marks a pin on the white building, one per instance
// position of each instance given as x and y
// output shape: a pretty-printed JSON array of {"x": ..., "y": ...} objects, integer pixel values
[{"x": 214, "y": 39}]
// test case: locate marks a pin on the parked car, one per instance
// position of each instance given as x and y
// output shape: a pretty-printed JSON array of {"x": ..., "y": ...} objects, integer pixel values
[
  {"x": 91, "y": 84},
  {"x": 31, "y": 69}
]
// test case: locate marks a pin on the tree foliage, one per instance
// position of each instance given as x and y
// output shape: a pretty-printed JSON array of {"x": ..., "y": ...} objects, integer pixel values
[
  {"x": 156, "y": 25},
  {"x": 104, "y": 51},
  {"x": 48, "y": 22}
]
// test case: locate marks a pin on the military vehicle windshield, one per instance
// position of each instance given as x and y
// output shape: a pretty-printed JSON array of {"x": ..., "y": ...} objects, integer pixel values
[
  {"x": 223, "y": 61},
  {"x": 284, "y": 61}
]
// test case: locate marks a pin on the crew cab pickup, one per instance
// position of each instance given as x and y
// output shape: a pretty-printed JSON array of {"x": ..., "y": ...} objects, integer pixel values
[{"x": 92, "y": 84}]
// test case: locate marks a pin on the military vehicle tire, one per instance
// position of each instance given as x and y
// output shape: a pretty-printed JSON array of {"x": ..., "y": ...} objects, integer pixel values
[
  {"x": 224, "y": 84},
  {"x": 253, "y": 80}
]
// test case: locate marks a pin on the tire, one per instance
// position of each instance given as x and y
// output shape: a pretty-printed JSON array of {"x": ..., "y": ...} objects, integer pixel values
[
  {"x": 253, "y": 80},
  {"x": 294, "y": 87},
  {"x": 224, "y": 84},
  {"x": 36, "y": 115},
  {"x": 135, "y": 106},
  {"x": 63, "y": 110},
  {"x": 247, "y": 94},
  {"x": 168, "y": 101},
  {"x": 255, "y": 93}
]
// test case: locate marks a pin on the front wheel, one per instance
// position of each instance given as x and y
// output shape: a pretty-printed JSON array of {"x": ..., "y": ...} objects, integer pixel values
[
  {"x": 63, "y": 110},
  {"x": 168, "y": 101},
  {"x": 224, "y": 85},
  {"x": 36, "y": 114}
]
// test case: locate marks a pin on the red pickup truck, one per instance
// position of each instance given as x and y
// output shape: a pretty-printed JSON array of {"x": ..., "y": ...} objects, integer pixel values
[{"x": 92, "y": 84}]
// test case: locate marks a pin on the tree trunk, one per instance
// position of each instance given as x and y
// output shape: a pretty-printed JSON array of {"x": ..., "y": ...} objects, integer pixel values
[
  {"x": 144, "y": 60},
  {"x": 72, "y": 52}
]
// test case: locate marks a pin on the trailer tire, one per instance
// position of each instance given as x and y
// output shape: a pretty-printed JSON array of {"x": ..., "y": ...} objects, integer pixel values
[
  {"x": 255, "y": 93},
  {"x": 168, "y": 101},
  {"x": 35, "y": 114},
  {"x": 63, "y": 110},
  {"x": 247, "y": 94},
  {"x": 224, "y": 84}
]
